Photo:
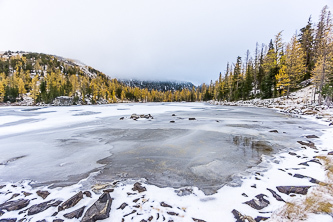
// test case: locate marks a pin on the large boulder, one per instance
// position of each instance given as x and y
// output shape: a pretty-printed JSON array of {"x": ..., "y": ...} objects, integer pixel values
[
  {"x": 14, "y": 205},
  {"x": 293, "y": 189},
  {"x": 100, "y": 210},
  {"x": 71, "y": 202},
  {"x": 37, "y": 208}
]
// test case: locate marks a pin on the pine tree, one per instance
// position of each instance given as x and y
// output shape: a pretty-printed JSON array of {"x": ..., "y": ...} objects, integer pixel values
[{"x": 306, "y": 38}]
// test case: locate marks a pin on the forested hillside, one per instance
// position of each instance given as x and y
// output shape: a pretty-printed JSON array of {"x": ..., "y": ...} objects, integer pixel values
[
  {"x": 274, "y": 70},
  {"x": 278, "y": 68},
  {"x": 162, "y": 86},
  {"x": 44, "y": 78}
]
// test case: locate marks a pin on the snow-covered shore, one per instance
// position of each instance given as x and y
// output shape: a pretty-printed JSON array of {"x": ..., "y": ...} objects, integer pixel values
[
  {"x": 265, "y": 189},
  {"x": 299, "y": 103}
]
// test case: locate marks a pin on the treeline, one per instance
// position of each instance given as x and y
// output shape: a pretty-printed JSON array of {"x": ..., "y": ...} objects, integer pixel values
[
  {"x": 44, "y": 77},
  {"x": 278, "y": 68}
]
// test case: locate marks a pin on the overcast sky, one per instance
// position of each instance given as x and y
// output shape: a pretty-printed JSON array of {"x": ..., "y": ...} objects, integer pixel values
[{"x": 186, "y": 40}]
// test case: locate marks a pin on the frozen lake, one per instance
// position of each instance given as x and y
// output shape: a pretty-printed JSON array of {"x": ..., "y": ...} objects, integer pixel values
[{"x": 62, "y": 145}]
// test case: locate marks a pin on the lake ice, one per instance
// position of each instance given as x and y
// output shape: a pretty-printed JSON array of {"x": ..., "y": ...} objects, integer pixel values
[{"x": 62, "y": 145}]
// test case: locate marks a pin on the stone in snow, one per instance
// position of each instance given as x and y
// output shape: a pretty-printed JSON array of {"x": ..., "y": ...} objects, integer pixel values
[
  {"x": 258, "y": 203},
  {"x": 275, "y": 195},
  {"x": 165, "y": 205},
  {"x": 100, "y": 210},
  {"x": 122, "y": 206},
  {"x": 8, "y": 220},
  {"x": 75, "y": 214},
  {"x": 137, "y": 187},
  {"x": 240, "y": 217},
  {"x": 37, "y": 208},
  {"x": 293, "y": 189},
  {"x": 43, "y": 194},
  {"x": 87, "y": 193},
  {"x": 274, "y": 131},
  {"x": 311, "y": 136},
  {"x": 71, "y": 202},
  {"x": 14, "y": 205}
]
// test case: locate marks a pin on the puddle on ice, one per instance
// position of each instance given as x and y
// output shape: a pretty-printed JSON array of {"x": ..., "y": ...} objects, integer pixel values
[{"x": 204, "y": 153}]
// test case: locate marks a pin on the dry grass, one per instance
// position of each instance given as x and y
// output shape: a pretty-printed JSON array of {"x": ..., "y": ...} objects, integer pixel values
[{"x": 319, "y": 200}]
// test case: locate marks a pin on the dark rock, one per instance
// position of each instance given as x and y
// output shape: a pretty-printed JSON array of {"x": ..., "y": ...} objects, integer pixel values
[
  {"x": 133, "y": 212},
  {"x": 244, "y": 194},
  {"x": 165, "y": 205},
  {"x": 14, "y": 195},
  {"x": 1, "y": 213},
  {"x": 130, "y": 194},
  {"x": 71, "y": 202},
  {"x": 262, "y": 146},
  {"x": 293, "y": 189},
  {"x": 58, "y": 220},
  {"x": 87, "y": 193},
  {"x": 254, "y": 186},
  {"x": 330, "y": 153},
  {"x": 313, "y": 180},
  {"x": 2, "y": 186},
  {"x": 138, "y": 187},
  {"x": 122, "y": 206},
  {"x": 299, "y": 175},
  {"x": 311, "y": 161},
  {"x": 121, "y": 118},
  {"x": 198, "y": 220},
  {"x": 238, "y": 216},
  {"x": 191, "y": 118},
  {"x": 311, "y": 136},
  {"x": 274, "y": 131},
  {"x": 173, "y": 115},
  {"x": 8, "y": 220},
  {"x": 184, "y": 192},
  {"x": 150, "y": 218},
  {"x": 41, "y": 220},
  {"x": 22, "y": 220},
  {"x": 308, "y": 144},
  {"x": 75, "y": 214},
  {"x": 136, "y": 200},
  {"x": 304, "y": 164},
  {"x": 54, "y": 214},
  {"x": 172, "y": 121},
  {"x": 37, "y": 208},
  {"x": 275, "y": 195},
  {"x": 26, "y": 194},
  {"x": 43, "y": 194},
  {"x": 99, "y": 210},
  {"x": 14, "y": 205},
  {"x": 258, "y": 204},
  {"x": 259, "y": 218},
  {"x": 315, "y": 161},
  {"x": 292, "y": 153},
  {"x": 172, "y": 213},
  {"x": 108, "y": 190}
]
